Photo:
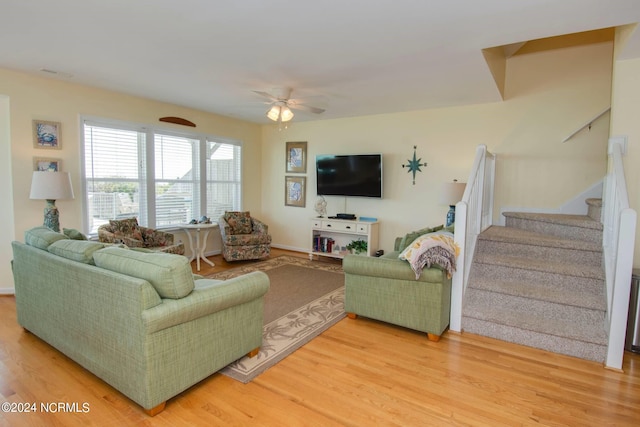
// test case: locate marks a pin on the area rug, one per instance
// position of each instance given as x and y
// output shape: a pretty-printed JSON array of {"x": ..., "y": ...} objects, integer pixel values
[{"x": 305, "y": 299}]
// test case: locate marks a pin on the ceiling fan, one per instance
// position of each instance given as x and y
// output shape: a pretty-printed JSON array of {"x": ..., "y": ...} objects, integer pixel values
[{"x": 282, "y": 105}]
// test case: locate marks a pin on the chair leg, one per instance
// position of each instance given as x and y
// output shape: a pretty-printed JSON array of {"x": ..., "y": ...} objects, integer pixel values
[{"x": 156, "y": 409}]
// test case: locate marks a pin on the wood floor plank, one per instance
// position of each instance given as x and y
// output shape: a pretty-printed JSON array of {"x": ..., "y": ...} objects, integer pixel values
[{"x": 360, "y": 372}]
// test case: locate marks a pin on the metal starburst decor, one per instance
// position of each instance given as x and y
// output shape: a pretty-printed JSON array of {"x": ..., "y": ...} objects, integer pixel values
[{"x": 414, "y": 165}]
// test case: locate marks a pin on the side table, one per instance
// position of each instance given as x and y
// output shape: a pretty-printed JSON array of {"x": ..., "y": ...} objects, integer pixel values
[{"x": 197, "y": 250}]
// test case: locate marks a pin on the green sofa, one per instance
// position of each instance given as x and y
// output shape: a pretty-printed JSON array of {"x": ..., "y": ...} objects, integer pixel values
[
  {"x": 138, "y": 320},
  {"x": 386, "y": 289}
]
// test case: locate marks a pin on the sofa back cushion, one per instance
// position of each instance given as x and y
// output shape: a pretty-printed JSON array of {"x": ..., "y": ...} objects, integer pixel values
[
  {"x": 41, "y": 237},
  {"x": 169, "y": 274},
  {"x": 75, "y": 250}
]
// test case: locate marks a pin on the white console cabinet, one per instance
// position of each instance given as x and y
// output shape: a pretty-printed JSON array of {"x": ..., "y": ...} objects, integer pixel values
[{"x": 330, "y": 237}]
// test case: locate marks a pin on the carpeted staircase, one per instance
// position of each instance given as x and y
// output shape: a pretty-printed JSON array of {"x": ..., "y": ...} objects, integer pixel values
[{"x": 539, "y": 281}]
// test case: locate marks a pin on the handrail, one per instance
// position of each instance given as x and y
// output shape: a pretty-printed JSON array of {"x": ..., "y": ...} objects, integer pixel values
[
  {"x": 618, "y": 243},
  {"x": 474, "y": 213},
  {"x": 588, "y": 124}
]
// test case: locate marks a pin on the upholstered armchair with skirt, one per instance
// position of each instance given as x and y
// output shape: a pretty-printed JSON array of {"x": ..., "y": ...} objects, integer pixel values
[
  {"x": 128, "y": 232},
  {"x": 244, "y": 237}
]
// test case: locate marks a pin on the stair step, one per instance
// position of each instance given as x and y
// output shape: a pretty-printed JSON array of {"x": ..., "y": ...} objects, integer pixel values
[
  {"x": 577, "y": 227},
  {"x": 516, "y": 241},
  {"x": 540, "y": 266},
  {"x": 539, "y": 316},
  {"x": 571, "y": 293},
  {"x": 585, "y": 351}
]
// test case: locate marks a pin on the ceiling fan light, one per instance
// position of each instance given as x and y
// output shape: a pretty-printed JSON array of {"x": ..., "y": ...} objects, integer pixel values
[
  {"x": 274, "y": 113},
  {"x": 286, "y": 114}
]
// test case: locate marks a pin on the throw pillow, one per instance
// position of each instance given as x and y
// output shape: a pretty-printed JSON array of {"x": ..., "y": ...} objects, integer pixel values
[
  {"x": 74, "y": 234},
  {"x": 41, "y": 237},
  {"x": 240, "y": 222},
  {"x": 76, "y": 250},
  {"x": 169, "y": 274},
  {"x": 410, "y": 237}
]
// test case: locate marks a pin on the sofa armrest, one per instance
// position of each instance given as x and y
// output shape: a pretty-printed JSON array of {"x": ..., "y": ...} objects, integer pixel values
[
  {"x": 225, "y": 228},
  {"x": 153, "y": 237},
  {"x": 389, "y": 268},
  {"x": 106, "y": 236},
  {"x": 210, "y": 296}
]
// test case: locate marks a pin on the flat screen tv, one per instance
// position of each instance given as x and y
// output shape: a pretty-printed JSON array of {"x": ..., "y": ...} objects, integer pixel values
[{"x": 356, "y": 175}]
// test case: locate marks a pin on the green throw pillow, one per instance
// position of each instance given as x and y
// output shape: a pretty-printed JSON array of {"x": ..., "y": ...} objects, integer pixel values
[
  {"x": 410, "y": 237},
  {"x": 74, "y": 234}
]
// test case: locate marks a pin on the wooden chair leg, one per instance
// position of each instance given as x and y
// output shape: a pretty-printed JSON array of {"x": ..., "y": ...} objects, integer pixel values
[
  {"x": 352, "y": 315},
  {"x": 433, "y": 337},
  {"x": 254, "y": 352},
  {"x": 156, "y": 409}
]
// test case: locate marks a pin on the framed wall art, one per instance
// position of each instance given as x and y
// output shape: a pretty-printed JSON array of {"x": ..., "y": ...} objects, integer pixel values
[
  {"x": 47, "y": 134},
  {"x": 41, "y": 164},
  {"x": 296, "y": 157},
  {"x": 295, "y": 188}
]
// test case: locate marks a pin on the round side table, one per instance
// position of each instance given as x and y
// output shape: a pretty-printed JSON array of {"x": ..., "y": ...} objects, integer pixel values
[{"x": 197, "y": 250}]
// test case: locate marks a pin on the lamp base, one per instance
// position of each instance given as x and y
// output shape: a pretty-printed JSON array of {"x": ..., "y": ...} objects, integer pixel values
[
  {"x": 451, "y": 216},
  {"x": 51, "y": 216}
]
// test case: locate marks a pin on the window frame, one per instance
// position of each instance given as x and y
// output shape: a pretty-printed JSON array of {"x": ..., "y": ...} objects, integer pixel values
[{"x": 147, "y": 212}]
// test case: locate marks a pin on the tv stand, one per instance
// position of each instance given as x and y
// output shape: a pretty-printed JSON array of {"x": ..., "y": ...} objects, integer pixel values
[{"x": 341, "y": 232}]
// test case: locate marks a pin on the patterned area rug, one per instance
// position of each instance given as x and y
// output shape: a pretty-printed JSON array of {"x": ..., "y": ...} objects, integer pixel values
[{"x": 293, "y": 281}]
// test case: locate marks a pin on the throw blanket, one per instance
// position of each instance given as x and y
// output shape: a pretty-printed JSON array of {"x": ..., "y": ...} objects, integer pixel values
[{"x": 432, "y": 249}]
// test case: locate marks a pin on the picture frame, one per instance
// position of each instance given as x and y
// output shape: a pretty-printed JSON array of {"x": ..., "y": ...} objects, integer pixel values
[
  {"x": 47, "y": 134},
  {"x": 296, "y": 157},
  {"x": 295, "y": 189},
  {"x": 41, "y": 164}
]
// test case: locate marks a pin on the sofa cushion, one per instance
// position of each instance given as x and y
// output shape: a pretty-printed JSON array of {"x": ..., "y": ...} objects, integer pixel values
[
  {"x": 240, "y": 222},
  {"x": 74, "y": 234},
  {"x": 41, "y": 237},
  {"x": 169, "y": 274},
  {"x": 75, "y": 250}
]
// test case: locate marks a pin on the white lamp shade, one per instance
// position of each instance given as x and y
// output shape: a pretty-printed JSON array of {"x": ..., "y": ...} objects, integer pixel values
[
  {"x": 51, "y": 186},
  {"x": 274, "y": 113},
  {"x": 452, "y": 192},
  {"x": 286, "y": 114}
]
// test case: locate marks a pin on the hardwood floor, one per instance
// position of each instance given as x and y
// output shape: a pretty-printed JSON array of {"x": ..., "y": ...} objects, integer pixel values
[{"x": 358, "y": 373}]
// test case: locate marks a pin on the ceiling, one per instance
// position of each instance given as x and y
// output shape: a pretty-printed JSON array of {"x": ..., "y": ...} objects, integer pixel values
[{"x": 352, "y": 58}]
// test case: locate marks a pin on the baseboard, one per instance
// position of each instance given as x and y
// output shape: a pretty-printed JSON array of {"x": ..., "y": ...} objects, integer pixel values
[
  {"x": 7, "y": 291},
  {"x": 290, "y": 248}
]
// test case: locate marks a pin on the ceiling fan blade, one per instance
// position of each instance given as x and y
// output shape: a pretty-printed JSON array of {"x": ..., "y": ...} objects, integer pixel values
[
  {"x": 308, "y": 108},
  {"x": 266, "y": 95}
]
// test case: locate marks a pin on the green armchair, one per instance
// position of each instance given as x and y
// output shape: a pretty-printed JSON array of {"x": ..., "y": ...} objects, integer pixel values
[{"x": 386, "y": 289}]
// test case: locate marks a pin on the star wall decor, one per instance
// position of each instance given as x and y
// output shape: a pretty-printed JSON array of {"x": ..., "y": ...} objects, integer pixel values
[{"x": 414, "y": 165}]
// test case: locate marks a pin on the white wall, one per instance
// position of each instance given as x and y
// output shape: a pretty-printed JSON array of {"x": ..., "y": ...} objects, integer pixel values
[
  {"x": 549, "y": 94},
  {"x": 626, "y": 121},
  {"x": 6, "y": 212}
]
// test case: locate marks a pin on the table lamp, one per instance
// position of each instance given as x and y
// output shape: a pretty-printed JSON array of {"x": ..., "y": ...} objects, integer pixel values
[
  {"x": 450, "y": 194},
  {"x": 51, "y": 186}
]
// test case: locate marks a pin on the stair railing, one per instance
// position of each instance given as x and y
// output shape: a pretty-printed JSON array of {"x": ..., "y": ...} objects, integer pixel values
[
  {"x": 618, "y": 241},
  {"x": 474, "y": 213}
]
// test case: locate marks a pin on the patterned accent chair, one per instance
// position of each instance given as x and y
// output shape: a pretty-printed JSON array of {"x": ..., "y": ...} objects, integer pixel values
[
  {"x": 243, "y": 237},
  {"x": 128, "y": 232}
]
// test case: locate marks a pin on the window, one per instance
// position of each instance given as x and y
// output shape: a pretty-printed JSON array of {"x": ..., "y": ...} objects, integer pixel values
[{"x": 164, "y": 179}]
